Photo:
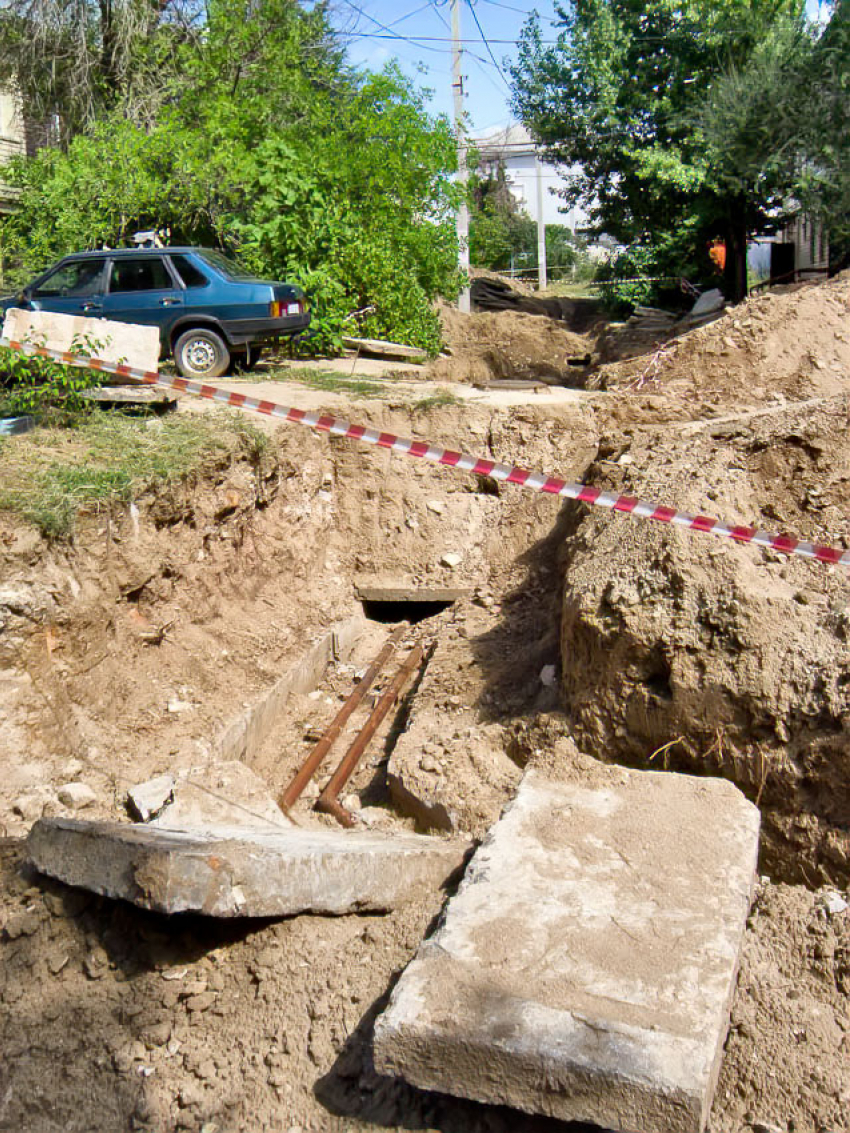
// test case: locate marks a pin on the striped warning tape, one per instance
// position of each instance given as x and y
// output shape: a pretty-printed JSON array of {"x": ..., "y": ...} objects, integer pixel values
[{"x": 509, "y": 473}]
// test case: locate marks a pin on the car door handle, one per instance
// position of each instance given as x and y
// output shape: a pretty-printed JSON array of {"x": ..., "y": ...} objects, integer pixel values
[
  {"x": 169, "y": 302},
  {"x": 92, "y": 306}
]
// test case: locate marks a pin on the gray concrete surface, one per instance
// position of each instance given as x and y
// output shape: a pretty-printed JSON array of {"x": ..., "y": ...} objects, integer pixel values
[
  {"x": 373, "y": 588},
  {"x": 132, "y": 343},
  {"x": 586, "y": 966},
  {"x": 216, "y": 794},
  {"x": 228, "y": 871}
]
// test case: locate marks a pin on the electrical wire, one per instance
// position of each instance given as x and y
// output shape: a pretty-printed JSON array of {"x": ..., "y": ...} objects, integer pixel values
[
  {"x": 410, "y": 15},
  {"x": 392, "y": 35},
  {"x": 487, "y": 45}
]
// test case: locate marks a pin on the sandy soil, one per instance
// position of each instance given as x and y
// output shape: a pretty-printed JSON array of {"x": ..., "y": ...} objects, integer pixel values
[{"x": 128, "y": 652}]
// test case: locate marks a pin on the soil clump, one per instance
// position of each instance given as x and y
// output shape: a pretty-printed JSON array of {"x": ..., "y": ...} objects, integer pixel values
[{"x": 510, "y": 345}]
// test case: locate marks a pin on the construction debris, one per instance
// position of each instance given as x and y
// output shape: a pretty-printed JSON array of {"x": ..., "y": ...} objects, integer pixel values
[
  {"x": 220, "y": 794},
  {"x": 378, "y": 348},
  {"x": 586, "y": 967},
  {"x": 233, "y": 871},
  {"x": 128, "y": 343}
]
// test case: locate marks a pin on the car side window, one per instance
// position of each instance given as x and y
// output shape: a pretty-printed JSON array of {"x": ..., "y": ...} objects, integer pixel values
[
  {"x": 147, "y": 273},
  {"x": 74, "y": 280},
  {"x": 191, "y": 276}
]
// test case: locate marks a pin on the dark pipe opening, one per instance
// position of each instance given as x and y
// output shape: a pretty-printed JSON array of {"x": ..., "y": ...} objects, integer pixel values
[{"x": 390, "y": 612}]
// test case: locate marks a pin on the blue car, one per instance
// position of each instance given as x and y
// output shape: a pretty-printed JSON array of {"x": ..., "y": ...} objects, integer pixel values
[{"x": 210, "y": 312}]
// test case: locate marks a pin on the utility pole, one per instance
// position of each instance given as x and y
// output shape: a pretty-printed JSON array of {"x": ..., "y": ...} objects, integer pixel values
[
  {"x": 541, "y": 228},
  {"x": 462, "y": 172}
]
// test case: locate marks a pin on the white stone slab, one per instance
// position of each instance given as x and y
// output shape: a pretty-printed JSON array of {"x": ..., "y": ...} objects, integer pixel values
[
  {"x": 230, "y": 871},
  {"x": 586, "y": 966},
  {"x": 130, "y": 343}
]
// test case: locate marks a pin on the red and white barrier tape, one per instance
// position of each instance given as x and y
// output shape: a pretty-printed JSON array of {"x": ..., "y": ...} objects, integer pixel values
[{"x": 510, "y": 474}]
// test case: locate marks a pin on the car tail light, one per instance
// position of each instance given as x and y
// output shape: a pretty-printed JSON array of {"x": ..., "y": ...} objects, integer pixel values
[{"x": 278, "y": 308}]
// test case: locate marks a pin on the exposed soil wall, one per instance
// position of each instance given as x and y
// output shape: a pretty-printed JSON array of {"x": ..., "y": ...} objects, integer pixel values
[{"x": 695, "y": 653}]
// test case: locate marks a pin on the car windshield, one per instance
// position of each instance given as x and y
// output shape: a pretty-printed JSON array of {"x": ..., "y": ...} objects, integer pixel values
[{"x": 225, "y": 265}]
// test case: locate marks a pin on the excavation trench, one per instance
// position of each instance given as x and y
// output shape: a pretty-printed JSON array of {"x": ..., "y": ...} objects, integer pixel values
[{"x": 230, "y": 620}]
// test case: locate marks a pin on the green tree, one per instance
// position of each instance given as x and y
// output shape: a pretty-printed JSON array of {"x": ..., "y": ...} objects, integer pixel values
[
  {"x": 618, "y": 101},
  {"x": 270, "y": 147}
]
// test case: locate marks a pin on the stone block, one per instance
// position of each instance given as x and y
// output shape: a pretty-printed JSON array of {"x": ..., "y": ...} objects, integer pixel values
[
  {"x": 219, "y": 794},
  {"x": 586, "y": 966},
  {"x": 129, "y": 343},
  {"x": 228, "y": 871}
]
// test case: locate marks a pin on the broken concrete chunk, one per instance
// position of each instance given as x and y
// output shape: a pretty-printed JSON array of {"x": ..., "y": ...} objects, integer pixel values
[
  {"x": 228, "y": 871},
  {"x": 147, "y": 799},
  {"x": 220, "y": 794},
  {"x": 586, "y": 966},
  {"x": 451, "y": 559},
  {"x": 371, "y": 588},
  {"x": 76, "y": 796}
]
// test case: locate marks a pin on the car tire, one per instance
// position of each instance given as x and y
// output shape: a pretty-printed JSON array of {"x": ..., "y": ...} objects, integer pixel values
[{"x": 201, "y": 353}]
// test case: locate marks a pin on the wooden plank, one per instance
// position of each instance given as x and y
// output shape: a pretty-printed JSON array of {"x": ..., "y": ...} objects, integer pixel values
[{"x": 382, "y": 349}]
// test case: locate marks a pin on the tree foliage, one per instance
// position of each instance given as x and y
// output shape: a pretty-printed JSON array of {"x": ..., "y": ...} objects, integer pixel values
[
  {"x": 665, "y": 114},
  {"x": 267, "y": 145}
]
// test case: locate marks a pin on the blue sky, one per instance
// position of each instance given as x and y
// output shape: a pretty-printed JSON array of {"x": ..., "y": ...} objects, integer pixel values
[
  {"x": 429, "y": 60},
  {"x": 421, "y": 25}
]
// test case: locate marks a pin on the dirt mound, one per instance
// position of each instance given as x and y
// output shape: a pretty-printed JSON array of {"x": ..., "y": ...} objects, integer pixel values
[
  {"x": 698, "y": 654},
  {"x": 794, "y": 345},
  {"x": 510, "y": 344}
]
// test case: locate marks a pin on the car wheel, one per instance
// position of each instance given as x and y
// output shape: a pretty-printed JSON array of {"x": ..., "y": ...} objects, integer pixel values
[{"x": 201, "y": 353}]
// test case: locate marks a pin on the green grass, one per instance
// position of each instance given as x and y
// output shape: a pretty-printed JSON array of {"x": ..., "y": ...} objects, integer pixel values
[
  {"x": 329, "y": 380},
  {"x": 53, "y": 475},
  {"x": 567, "y": 290},
  {"x": 441, "y": 397}
]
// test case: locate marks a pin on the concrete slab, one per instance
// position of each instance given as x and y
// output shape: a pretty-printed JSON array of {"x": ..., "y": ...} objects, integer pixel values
[
  {"x": 371, "y": 589},
  {"x": 119, "y": 342},
  {"x": 586, "y": 967},
  {"x": 217, "y": 794},
  {"x": 226, "y": 871}
]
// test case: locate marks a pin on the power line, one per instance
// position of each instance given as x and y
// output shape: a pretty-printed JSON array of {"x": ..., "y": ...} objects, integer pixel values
[
  {"x": 384, "y": 29},
  {"x": 410, "y": 15},
  {"x": 487, "y": 45}
]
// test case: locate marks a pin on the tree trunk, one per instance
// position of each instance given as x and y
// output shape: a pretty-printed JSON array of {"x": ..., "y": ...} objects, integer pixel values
[{"x": 736, "y": 259}]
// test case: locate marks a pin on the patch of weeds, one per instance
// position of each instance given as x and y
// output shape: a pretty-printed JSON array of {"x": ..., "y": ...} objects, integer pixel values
[
  {"x": 32, "y": 384},
  {"x": 331, "y": 381},
  {"x": 50, "y": 476},
  {"x": 441, "y": 397}
]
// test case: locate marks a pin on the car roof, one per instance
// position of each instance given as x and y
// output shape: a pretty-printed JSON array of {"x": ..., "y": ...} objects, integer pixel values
[{"x": 122, "y": 252}]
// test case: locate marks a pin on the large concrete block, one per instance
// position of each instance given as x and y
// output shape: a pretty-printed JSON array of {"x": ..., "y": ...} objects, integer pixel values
[
  {"x": 131, "y": 343},
  {"x": 228, "y": 871},
  {"x": 586, "y": 966}
]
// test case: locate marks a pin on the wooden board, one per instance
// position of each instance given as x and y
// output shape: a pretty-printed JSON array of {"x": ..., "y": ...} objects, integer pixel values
[{"x": 382, "y": 349}]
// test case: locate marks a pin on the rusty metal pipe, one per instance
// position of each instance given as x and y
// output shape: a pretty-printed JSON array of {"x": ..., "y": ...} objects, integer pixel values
[
  {"x": 328, "y": 799},
  {"x": 311, "y": 763}
]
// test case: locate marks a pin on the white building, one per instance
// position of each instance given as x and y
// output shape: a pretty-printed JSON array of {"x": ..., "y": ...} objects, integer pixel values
[
  {"x": 529, "y": 179},
  {"x": 12, "y": 140}
]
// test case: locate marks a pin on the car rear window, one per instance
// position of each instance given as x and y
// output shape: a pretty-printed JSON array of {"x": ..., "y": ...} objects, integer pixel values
[
  {"x": 147, "y": 273},
  {"x": 79, "y": 278},
  {"x": 191, "y": 276},
  {"x": 228, "y": 268}
]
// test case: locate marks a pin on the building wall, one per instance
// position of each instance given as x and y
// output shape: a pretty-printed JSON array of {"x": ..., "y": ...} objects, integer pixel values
[{"x": 11, "y": 125}]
